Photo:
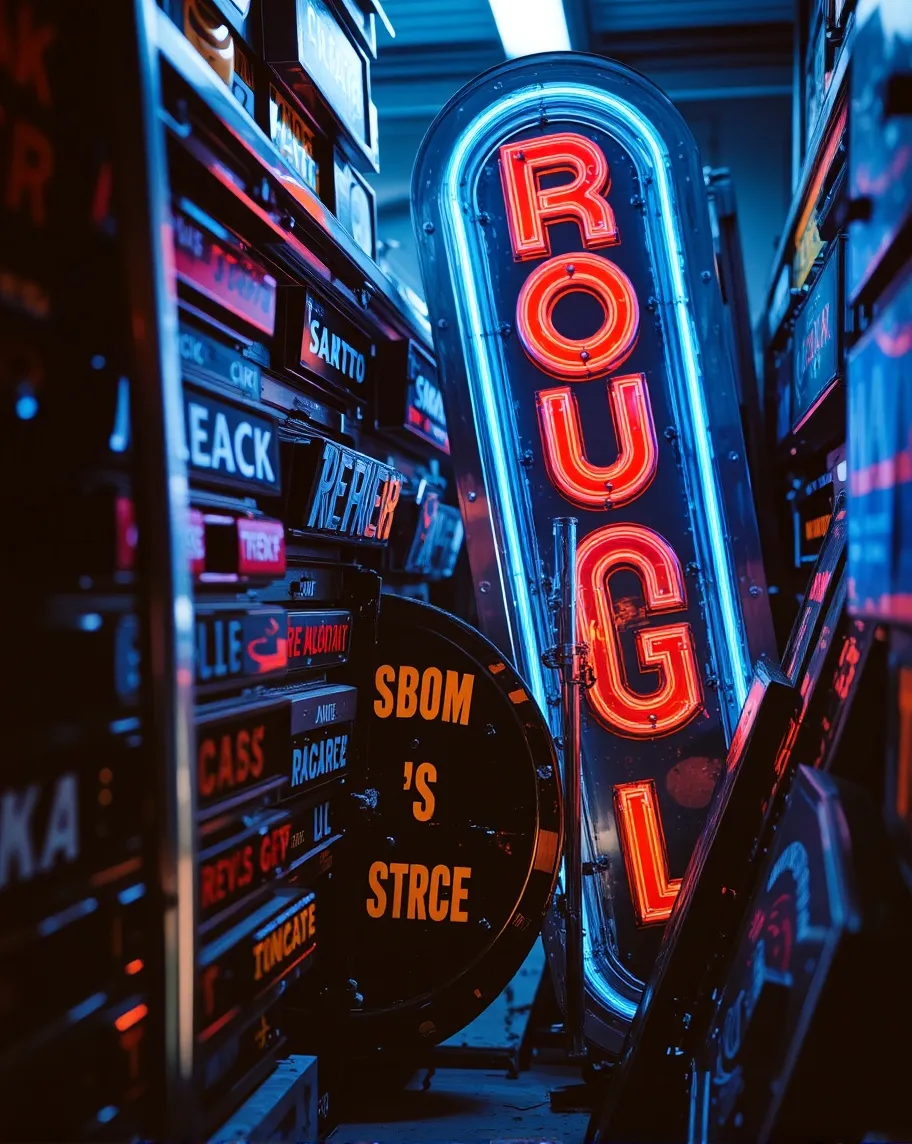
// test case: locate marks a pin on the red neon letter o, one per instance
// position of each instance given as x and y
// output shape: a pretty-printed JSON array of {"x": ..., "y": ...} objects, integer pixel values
[{"x": 572, "y": 359}]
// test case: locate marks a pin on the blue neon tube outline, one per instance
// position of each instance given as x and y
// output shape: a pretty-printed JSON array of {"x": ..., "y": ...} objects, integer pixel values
[{"x": 493, "y": 451}]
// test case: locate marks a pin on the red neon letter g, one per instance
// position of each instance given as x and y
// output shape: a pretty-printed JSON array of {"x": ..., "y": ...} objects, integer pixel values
[
  {"x": 530, "y": 206},
  {"x": 667, "y": 650}
]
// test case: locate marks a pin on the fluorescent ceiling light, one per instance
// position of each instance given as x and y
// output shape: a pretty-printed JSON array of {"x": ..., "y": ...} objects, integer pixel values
[{"x": 528, "y": 26}]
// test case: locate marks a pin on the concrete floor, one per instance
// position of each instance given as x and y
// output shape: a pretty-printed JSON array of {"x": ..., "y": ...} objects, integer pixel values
[{"x": 467, "y": 1106}]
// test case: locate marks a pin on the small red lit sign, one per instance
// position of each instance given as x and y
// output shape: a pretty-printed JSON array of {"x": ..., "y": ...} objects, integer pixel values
[
  {"x": 125, "y": 534},
  {"x": 261, "y": 547},
  {"x": 224, "y": 274},
  {"x": 196, "y": 542},
  {"x": 318, "y": 639}
]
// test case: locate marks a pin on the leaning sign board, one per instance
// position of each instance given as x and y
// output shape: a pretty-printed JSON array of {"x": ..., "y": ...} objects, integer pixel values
[
  {"x": 457, "y": 853},
  {"x": 567, "y": 256}
]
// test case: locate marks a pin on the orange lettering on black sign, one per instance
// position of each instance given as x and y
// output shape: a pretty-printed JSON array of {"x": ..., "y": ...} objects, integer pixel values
[
  {"x": 413, "y": 892},
  {"x": 229, "y": 761}
]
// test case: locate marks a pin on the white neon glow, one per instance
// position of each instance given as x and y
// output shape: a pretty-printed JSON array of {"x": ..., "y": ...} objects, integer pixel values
[
  {"x": 499, "y": 461},
  {"x": 529, "y": 26}
]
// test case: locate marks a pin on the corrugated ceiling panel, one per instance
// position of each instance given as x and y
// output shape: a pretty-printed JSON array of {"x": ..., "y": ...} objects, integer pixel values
[
  {"x": 439, "y": 22},
  {"x": 642, "y": 15}
]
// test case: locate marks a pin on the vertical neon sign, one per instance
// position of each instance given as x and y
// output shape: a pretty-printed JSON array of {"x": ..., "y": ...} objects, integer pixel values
[{"x": 565, "y": 246}]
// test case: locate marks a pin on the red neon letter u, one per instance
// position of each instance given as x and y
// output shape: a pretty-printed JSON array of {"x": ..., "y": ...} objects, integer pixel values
[
  {"x": 530, "y": 206},
  {"x": 667, "y": 650},
  {"x": 581, "y": 482}
]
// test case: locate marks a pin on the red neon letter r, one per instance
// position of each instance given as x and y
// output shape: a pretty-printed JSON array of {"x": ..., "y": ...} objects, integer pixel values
[{"x": 530, "y": 206}]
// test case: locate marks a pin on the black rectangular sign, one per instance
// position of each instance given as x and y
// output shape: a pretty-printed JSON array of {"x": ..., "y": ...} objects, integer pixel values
[
  {"x": 236, "y": 645},
  {"x": 424, "y": 413},
  {"x": 75, "y": 817},
  {"x": 313, "y": 823},
  {"x": 437, "y": 539},
  {"x": 331, "y": 346},
  {"x": 239, "y": 750},
  {"x": 206, "y": 358},
  {"x": 240, "y": 964},
  {"x": 321, "y": 707},
  {"x": 318, "y": 756},
  {"x": 304, "y": 38},
  {"x": 880, "y": 174},
  {"x": 356, "y": 208},
  {"x": 321, "y": 724},
  {"x": 227, "y": 1065},
  {"x": 816, "y": 342},
  {"x": 318, "y": 639},
  {"x": 334, "y": 491},
  {"x": 880, "y": 464},
  {"x": 234, "y": 867},
  {"x": 410, "y": 398},
  {"x": 223, "y": 273},
  {"x": 293, "y": 138},
  {"x": 229, "y": 444},
  {"x": 812, "y": 515}
]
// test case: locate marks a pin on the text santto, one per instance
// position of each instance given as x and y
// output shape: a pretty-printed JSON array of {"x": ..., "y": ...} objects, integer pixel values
[{"x": 667, "y": 650}]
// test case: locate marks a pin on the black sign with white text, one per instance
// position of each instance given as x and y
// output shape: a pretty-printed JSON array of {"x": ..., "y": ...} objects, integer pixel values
[
  {"x": 320, "y": 707},
  {"x": 230, "y": 444},
  {"x": 816, "y": 342},
  {"x": 72, "y": 818},
  {"x": 240, "y": 964},
  {"x": 202, "y": 356},
  {"x": 306, "y": 42},
  {"x": 332, "y": 346},
  {"x": 318, "y": 639},
  {"x": 410, "y": 400},
  {"x": 424, "y": 413},
  {"x": 472, "y": 861}
]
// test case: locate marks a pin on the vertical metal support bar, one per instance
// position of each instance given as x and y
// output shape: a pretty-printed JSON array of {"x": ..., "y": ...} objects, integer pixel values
[
  {"x": 570, "y": 659},
  {"x": 162, "y": 504}
]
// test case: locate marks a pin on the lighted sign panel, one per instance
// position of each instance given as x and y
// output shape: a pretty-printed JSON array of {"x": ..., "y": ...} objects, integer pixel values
[
  {"x": 233, "y": 645},
  {"x": 880, "y": 465},
  {"x": 276, "y": 940},
  {"x": 880, "y": 155},
  {"x": 817, "y": 338},
  {"x": 239, "y": 751},
  {"x": 223, "y": 273},
  {"x": 899, "y": 775},
  {"x": 551, "y": 201},
  {"x": 234, "y": 868},
  {"x": 329, "y": 344}
]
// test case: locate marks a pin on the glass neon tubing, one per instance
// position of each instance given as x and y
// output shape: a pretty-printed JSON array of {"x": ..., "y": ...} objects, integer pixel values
[{"x": 469, "y": 314}]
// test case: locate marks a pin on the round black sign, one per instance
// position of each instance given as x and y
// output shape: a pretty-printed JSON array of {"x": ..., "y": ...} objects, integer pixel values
[{"x": 460, "y": 840}]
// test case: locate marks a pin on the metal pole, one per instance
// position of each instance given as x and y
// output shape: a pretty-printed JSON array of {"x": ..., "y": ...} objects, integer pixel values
[{"x": 570, "y": 659}]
